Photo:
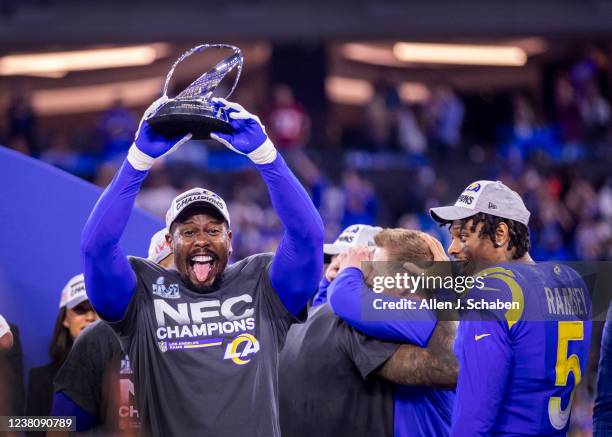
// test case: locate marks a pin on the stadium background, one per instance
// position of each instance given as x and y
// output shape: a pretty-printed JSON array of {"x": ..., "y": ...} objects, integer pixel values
[{"x": 377, "y": 137}]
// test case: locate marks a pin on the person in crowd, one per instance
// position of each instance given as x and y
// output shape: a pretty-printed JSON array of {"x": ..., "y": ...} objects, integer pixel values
[
  {"x": 95, "y": 384},
  {"x": 75, "y": 314}
]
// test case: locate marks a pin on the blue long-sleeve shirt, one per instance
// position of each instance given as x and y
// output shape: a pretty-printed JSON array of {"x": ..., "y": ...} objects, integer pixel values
[
  {"x": 418, "y": 410},
  {"x": 518, "y": 367},
  {"x": 356, "y": 304},
  {"x": 321, "y": 295},
  {"x": 295, "y": 270}
]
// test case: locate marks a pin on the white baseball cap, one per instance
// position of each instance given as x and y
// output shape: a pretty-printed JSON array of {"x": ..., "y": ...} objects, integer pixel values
[
  {"x": 489, "y": 197},
  {"x": 193, "y": 197},
  {"x": 4, "y": 326},
  {"x": 74, "y": 292},
  {"x": 159, "y": 248},
  {"x": 354, "y": 235}
]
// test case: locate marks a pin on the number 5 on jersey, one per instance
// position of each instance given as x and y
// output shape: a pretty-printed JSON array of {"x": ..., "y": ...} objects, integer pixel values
[{"x": 568, "y": 331}]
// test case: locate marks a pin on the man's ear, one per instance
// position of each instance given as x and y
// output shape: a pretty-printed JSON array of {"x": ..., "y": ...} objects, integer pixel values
[
  {"x": 502, "y": 235},
  {"x": 169, "y": 238},
  {"x": 229, "y": 240}
]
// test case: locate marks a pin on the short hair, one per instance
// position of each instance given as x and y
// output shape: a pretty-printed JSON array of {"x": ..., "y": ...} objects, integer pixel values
[
  {"x": 519, "y": 233},
  {"x": 403, "y": 245}
]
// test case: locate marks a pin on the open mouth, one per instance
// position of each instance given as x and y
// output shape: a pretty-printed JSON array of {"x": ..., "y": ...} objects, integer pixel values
[{"x": 202, "y": 265}]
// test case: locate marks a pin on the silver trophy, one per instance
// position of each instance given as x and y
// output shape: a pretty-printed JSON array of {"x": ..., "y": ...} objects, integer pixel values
[{"x": 191, "y": 110}]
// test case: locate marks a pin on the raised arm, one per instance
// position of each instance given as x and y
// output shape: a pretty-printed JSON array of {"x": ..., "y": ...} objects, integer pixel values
[
  {"x": 433, "y": 366},
  {"x": 348, "y": 295},
  {"x": 298, "y": 261},
  {"x": 109, "y": 279}
]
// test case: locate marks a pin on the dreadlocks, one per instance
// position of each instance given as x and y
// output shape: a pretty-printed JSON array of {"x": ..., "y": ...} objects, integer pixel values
[{"x": 519, "y": 234}]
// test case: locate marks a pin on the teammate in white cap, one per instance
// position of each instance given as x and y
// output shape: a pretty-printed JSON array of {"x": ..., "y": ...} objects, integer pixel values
[
  {"x": 160, "y": 251},
  {"x": 352, "y": 236},
  {"x": 203, "y": 338}
]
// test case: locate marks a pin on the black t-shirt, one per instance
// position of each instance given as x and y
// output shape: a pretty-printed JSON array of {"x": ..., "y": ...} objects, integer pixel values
[
  {"x": 206, "y": 363},
  {"x": 97, "y": 376},
  {"x": 40, "y": 392},
  {"x": 326, "y": 384},
  {"x": 11, "y": 378}
]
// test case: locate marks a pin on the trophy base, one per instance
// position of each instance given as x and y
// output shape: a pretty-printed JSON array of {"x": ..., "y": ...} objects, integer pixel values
[{"x": 179, "y": 118}]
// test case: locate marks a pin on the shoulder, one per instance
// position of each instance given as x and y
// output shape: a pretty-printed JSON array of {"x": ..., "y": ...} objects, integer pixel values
[
  {"x": 148, "y": 270},
  {"x": 500, "y": 290},
  {"x": 260, "y": 261},
  {"x": 139, "y": 264},
  {"x": 95, "y": 333}
]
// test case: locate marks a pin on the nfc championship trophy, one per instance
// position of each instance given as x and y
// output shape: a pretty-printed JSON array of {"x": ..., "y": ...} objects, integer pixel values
[{"x": 191, "y": 110}]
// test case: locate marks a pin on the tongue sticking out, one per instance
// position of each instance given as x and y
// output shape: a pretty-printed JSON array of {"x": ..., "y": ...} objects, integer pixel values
[{"x": 202, "y": 271}]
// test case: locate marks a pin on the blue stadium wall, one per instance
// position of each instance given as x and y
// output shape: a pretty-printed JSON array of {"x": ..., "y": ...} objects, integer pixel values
[{"x": 42, "y": 213}]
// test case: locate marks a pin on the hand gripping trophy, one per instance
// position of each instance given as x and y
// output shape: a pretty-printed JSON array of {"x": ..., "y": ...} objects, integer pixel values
[{"x": 191, "y": 110}]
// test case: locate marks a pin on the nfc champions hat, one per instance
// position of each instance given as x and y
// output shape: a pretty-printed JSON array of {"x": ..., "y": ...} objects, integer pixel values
[
  {"x": 489, "y": 197},
  {"x": 74, "y": 292},
  {"x": 354, "y": 235},
  {"x": 159, "y": 248},
  {"x": 196, "y": 196}
]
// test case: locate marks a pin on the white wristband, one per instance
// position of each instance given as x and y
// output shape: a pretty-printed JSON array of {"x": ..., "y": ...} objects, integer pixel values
[
  {"x": 139, "y": 160},
  {"x": 264, "y": 154}
]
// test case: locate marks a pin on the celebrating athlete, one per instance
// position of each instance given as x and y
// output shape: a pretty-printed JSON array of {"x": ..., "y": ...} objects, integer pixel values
[
  {"x": 203, "y": 339},
  {"x": 517, "y": 368}
]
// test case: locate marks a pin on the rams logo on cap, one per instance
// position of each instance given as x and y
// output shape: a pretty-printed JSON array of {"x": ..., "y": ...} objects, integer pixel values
[{"x": 475, "y": 187}]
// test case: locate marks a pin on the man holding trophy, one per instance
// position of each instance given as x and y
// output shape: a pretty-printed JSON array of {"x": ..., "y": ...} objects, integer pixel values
[{"x": 204, "y": 338}]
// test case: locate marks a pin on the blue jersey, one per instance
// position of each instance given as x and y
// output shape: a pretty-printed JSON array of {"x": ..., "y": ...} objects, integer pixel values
[
  {"x": 518, "y": 370},
  {"x": 422, "y": 411}
]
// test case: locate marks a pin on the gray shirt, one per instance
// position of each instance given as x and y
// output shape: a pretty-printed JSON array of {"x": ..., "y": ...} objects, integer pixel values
[
  {"x": 328, "y": 385},
  {"x": 206, "y": 364},
  {"x": 97, "y": 376}
]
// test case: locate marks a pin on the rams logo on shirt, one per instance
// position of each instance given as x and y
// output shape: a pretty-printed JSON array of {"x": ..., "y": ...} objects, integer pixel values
[{"x": 240, "y": 348}]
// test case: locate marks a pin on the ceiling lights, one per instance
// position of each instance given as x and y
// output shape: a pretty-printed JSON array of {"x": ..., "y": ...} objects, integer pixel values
[
  {"x": 57, "y": 64},
  {"x": 463, "y": 54}
]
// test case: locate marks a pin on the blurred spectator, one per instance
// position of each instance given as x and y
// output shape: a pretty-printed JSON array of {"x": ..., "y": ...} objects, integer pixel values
[
  {"x": 410, "y": 135},
  {"x": 117, "y": 126},
  {"x": 61, "y": 154},
  {"x": 445, "y": 117},
  {"x": 523, "y": 117},
  {"x": 288, "y": 123},
  {"x": 20, "y": 144},
  {"x": 383, "y": 111},
  {"x": 75, "y": 314},
  {"x": 595, "y": 111},
  {"x": 157, "y": 192},
  {"x": 568, "y": 111},
  {"x": 604, "y": 199},
  {"x": 22, "y": 124},
  {"x": 360, "y": 203}
]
